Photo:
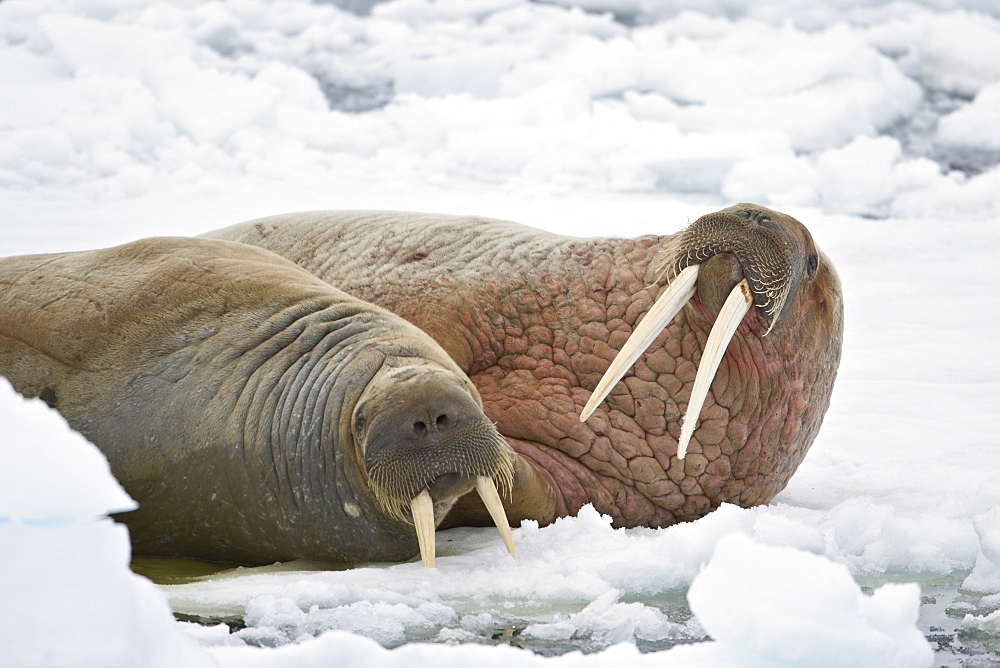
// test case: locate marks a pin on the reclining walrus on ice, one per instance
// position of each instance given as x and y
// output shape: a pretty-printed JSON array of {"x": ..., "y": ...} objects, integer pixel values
[{"x": 334, "y": 385}]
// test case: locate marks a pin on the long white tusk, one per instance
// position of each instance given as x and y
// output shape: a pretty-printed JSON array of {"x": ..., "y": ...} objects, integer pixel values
[
  {"x": 673, "y": 299},
  {"x": 422, "y": 509},
  {"x": 488, "y": 493},
  {"x": 729, "y": 318}
]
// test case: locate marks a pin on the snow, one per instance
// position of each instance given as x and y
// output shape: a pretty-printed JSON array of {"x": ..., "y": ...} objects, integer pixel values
[
  {"x": 970, "y": 127},
  {"x": 876, "y": 123},
  {"x": 67, "y": 596},
  {"x": 985, "y": 577},
  {"x": 799, "y": 608},
  {"x": 77, "y": 485}
]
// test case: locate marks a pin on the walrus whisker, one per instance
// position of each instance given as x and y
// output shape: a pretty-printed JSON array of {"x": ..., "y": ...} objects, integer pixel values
[
  {"x": 477, "y": 451},
  {"x": 673, "y": 299},
  {"x": 399, "y": 474},
  {"x": 491, "y": 498},
  {"x": 728, "y": 320},
  {"x": 765, "y": 257},
  {"x": 422, "y": 509}
]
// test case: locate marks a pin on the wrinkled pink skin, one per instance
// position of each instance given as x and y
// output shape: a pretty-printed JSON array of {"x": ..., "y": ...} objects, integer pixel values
[{"x": 535, "y": 318}]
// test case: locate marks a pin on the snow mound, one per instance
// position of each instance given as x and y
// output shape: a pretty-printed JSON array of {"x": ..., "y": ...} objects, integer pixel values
[
  {"x": 985, "y": 577},
  {"x": 77, "y": 484},
  {"x": 67, "y": 596},
  {"x": 796, "y": 608}
]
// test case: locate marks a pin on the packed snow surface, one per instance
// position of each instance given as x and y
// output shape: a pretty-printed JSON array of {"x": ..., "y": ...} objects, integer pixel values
[{"x": 876, "y": 123}]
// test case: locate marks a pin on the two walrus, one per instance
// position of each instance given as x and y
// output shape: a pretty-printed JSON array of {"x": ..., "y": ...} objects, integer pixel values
[{"x": 362, "y": 371}]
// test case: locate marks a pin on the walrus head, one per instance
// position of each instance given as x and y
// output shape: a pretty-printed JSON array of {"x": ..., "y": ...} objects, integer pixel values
[
  {"x": 425, "y": 442},
  {"x": 742, "y": 259}
]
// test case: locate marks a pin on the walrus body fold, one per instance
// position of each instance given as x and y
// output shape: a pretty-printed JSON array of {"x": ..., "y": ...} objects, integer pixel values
[{"x": 221, "y": 383}]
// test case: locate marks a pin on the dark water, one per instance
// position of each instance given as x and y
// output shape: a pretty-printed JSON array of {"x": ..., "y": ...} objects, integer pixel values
[{"x": 941, "y": 613}]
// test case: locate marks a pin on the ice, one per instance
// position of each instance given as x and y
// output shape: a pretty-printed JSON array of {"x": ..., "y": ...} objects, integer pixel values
[
  {"x": 606, "y": 622},
  {"x": 958, "y": 52},
  {"x": 985, "y": 577},
  {"x": 970, "y": 127},
  {"x": 341, "y": 649},
  {"x": 604, "y": 578},
  {"x": 989, "y": 623},
  {"x": 873, "y": 122},
  {"x": 74, "y": 482},
  {"x": 67, "y": 596},
  {"x": 209, "y": 98},
  {"x": 796, "y": 608}
]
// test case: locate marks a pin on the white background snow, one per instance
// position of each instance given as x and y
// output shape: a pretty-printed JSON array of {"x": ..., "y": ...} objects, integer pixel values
[{"x": 876, "y": 123}]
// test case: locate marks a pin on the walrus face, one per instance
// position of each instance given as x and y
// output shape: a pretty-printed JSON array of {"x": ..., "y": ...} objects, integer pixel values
[
  {"x": 425, "y": 442},
  {"x": 729, "y": 262}
]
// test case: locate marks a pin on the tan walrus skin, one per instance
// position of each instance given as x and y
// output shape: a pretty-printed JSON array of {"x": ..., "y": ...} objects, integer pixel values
[
  {"x": 534, "y": 319},
  {"x": 255, "y": 413}
]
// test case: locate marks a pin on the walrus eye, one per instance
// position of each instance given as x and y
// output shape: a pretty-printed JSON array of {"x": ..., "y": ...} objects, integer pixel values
[
  {"x": 812, "y": 263},
  {"x": 359, "y": 424}
]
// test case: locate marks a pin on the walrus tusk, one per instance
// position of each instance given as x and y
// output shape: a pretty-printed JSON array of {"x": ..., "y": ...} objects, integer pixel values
[
  {"x": 680, "y": 290},
  {"x": 488, "y": 493},
  {"x": 677, "y": 294},
  {"x": 729, "y": 318},
  {"x": 422, "y": 509}
]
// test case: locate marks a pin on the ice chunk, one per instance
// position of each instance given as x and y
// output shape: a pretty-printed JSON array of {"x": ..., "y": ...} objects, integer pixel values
[
  {"x": 865, "y": 176},
  {"x": 973, "y": 127},
  {"x": 50, "y": 473},
  {"x": 989, "y": 623},
  {"x": 985, "y": 577},
  {"x": 799, "y": 608},
  {"x": 606, "y": 622},
  {"x": 67, "y": 596},
  {"x": 957, "y": 51}
]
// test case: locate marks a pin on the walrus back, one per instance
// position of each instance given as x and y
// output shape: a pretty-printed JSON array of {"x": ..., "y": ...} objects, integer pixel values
[{"x": 64, "y": 313}]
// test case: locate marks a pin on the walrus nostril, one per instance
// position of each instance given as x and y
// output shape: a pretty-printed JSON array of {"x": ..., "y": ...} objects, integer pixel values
[{"x": 440, "y": 424}]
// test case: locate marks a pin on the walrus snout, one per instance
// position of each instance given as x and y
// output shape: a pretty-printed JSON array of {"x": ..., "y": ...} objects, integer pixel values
[
  {"x": 425, "y": 442},
  {"x": 415, "y": 426},
  {"x": 745, "y": 256},
  {"x": 420, "y": 414},
  {"x": 717, "y": 278},
  {"x": 756, "y": 238}
]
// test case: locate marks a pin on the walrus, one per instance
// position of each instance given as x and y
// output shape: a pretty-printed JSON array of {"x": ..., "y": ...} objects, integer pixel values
[
  {"x": 255, "y": 412},
  {"x": 547, "y": 327}
]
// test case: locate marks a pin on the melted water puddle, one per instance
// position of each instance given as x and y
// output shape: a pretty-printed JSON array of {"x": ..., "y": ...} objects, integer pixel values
[{"x": 171, "y": 570}]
